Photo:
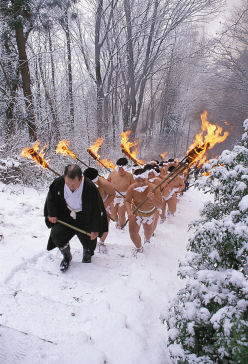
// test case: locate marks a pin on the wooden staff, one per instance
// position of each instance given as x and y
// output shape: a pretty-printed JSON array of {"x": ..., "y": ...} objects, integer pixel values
[
  {"x": 86, "y": 165},
  {"x": 73, "y": 227},
  {"x": 52, "y": 170}
]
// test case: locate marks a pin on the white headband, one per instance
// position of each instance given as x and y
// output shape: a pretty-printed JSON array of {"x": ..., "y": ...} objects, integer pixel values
[
  {"x": 143, "y": 175},
  {"x": 95, "y": 180},
  {"x": 125, "y": 168},
  {"x": 136, "y": 167}
]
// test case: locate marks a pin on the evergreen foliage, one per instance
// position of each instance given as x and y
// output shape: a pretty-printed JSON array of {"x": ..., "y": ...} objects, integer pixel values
[{"x": 208, "y": 320}]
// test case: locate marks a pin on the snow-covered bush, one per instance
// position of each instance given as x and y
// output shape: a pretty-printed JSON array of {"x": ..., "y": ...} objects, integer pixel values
[
  {"x": 16, "y": 170},
  {"x": 208, "y": 320}
]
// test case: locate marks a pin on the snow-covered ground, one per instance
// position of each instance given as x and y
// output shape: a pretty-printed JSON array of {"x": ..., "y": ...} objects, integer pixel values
[{"x": 109, "y": 311}]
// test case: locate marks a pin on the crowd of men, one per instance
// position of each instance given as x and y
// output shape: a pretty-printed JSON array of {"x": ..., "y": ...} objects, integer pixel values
[{"x": 89, "y": 201}]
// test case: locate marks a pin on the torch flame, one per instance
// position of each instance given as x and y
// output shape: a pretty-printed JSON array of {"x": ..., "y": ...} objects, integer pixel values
[
  {"x": 162, "y": 155},
  {"x": 93, "y": 149},
  {"x": 209, "y": 135},
  {"x": 62, "y": 148},
  {"x": 126, "y": 148},
  {"x": 107, "y": 163},
  {"x": 33, "y": 153}
]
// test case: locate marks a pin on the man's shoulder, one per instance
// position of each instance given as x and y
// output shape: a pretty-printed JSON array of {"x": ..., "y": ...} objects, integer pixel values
[
  {"x": 129, "y": 174},
  {"x": 113, "y": 173},
  {"x": 103, "y": 182}
]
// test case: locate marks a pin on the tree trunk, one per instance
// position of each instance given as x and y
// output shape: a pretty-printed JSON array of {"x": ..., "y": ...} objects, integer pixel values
[
  {"x": 130, "y": 64},
  {"x": 69, "y": 68},
  {"x": 12, "y": 85},
  {"x": 99, "y": 85},
  {"x": 55, "y": 123},
  {"x": 52, "y": 65},
  {"x": 147, "y": 67},
  {"x": 26, "y": 81}
]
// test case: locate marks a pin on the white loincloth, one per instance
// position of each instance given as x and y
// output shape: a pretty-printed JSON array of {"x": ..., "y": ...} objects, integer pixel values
[{"x": 119, "y": 200}]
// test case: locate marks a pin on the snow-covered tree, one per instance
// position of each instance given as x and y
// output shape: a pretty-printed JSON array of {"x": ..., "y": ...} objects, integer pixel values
[{"x": 208, "y": 320}]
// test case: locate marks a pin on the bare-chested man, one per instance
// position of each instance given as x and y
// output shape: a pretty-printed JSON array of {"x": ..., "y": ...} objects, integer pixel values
[
  {"x": 154, "y": 177},
  {"x": 165, "y": 173},
  {"x": 107, "y": 193},
  {"x": 137, "y": 193},
  {"x": 169, "y": 192},
  {"x": 121, "y": 179},
  {"x": 163, "y": 166}
]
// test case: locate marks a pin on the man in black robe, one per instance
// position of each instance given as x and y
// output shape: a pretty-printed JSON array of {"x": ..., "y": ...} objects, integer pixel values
[{"x": 74, "y": 199}]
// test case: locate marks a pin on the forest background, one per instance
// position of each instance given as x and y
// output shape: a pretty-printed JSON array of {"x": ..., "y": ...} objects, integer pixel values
[{"x": 82, "y": 69}]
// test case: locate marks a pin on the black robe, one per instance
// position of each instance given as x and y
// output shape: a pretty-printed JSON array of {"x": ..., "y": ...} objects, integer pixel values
[{"x": 93, "y": 217}]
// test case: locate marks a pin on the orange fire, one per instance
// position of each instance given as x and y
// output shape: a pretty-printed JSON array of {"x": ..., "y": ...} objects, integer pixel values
[
  {"x": 93, "y": 149},
  {"x": 62, "y": 148},
  {"x": 107, "y": 163},
  {"x": 35, "y": 154},
  {"x": 126, "y": 148},
  {"x": 209, "y": 135},
  {"x": 162, "y": 155}
]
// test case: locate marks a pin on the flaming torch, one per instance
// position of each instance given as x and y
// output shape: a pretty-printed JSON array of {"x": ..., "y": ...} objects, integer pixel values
[
  {"x": 93, "y": 151},
  {"x": 196, "y": 152},
  {"x": 209, "y": 135},
  {"x": 126, "y": 146},
  {"x": 162, "y": 155},
  {"x": 107, "y": 163},
  {"x": 63, "y": 148},
  {"x": 37, "y": 156}
]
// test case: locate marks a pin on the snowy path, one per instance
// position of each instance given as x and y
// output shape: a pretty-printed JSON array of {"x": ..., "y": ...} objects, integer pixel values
[{"x": 109, "y": 311}]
